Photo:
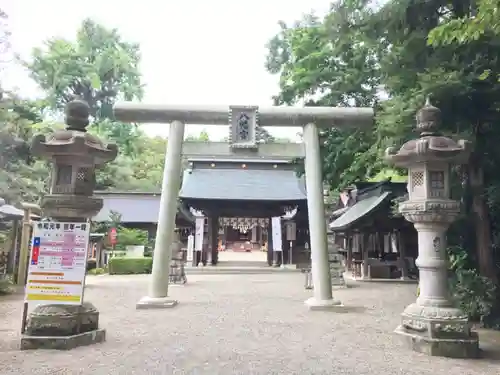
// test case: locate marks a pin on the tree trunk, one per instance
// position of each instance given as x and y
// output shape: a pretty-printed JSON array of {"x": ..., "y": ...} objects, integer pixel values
[{"x": 479, "y": 209}]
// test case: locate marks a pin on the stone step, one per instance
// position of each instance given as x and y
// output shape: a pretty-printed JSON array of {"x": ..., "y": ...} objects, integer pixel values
[
  {"x": 214, "y": 270},
  {"x": 242, "y": 263}
]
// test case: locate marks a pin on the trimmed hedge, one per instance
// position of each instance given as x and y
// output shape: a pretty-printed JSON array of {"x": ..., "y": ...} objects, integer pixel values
[{"x": 129, "y": 266}]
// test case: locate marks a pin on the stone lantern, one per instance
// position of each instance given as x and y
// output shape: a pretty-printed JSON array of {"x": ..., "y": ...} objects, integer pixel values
[
  {"x": 433, "y": 324},
  {"x": 74, "y": 155}
]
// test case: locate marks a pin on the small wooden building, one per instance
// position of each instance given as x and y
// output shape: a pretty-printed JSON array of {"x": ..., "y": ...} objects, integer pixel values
[
  {"x": 139, "y": 210},
  {"x": 377, "y": 242}
]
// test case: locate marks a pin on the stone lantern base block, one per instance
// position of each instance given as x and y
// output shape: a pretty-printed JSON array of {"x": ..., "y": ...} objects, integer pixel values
[
  {"x": 443, "y": 331},
  {"x": 461, "y": 348},
  {"x": 156, "y": 303},
  {"x": 62, "y": 327},
  {"x": 315, "y": 304},
  {"x": 71, "y": 206},
  {"x": 63, "y": 342}
]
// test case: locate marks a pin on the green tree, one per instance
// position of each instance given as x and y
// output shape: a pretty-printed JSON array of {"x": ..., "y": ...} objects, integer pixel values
[
  {"x": 472, "y": 21},
  {"x": 125, "y": 236},
  {"x": 330, "y": 62},
  {"x": 359, "y": 50},
  {"x": 202, "y": 137},
  {"x": 450, "y": 74},
  {"x": 101, "y": 68},
  {"x": 22, "y": 178},
  {"x": 262, "y": 135}
]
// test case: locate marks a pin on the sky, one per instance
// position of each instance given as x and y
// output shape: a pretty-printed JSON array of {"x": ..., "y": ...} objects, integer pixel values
[{"x": 193, "y": 51}]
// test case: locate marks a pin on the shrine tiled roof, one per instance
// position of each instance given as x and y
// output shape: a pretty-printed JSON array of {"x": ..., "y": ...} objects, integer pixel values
[
  {"x": 134, "y": 207},
  {"x": 364, "y": 199},
  {"x": 254, "y": 184},
  {"x": 356, "y": 212}
]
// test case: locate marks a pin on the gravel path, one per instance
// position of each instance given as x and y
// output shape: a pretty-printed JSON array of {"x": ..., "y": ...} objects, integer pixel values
[{"x": 236, "y": 324}]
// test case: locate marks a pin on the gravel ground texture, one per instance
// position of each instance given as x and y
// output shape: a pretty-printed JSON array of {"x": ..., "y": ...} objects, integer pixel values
[{"x": 236, "y": 324}]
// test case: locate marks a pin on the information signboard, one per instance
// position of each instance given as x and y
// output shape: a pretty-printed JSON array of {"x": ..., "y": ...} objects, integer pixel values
[
  {"x": 113, "y": 236},
  {"x": 58, "y": 261}
]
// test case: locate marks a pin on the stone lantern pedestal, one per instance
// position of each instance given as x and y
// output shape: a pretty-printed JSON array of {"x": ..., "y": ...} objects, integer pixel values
[
  {"x": 74, "y": 155},
  {"x": 433, "y": 325}
]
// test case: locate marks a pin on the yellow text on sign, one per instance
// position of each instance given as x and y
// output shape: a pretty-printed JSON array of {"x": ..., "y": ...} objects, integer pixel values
[{"x": 52, "y": 297}]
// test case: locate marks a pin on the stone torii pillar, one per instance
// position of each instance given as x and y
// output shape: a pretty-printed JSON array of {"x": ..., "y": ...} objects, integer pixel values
[{"x": 243, "y": 121}]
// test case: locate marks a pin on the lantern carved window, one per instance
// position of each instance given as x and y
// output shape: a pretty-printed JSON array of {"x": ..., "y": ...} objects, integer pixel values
[
  {"x": 417, "y": 183},
  {"x": 63, "y": 180},
  {"x": 437, "y": 184},
  {"x": 85, "y": 181},
  {"x": 64, "y": 174}
]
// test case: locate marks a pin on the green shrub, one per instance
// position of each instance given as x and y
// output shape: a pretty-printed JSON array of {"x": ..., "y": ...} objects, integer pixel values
[
  {"x": 96, "y": 271},
  {"x": 6, "y": 285},
  {"x": 128, "y": 266},
  {"x": 474, "y": 294}
]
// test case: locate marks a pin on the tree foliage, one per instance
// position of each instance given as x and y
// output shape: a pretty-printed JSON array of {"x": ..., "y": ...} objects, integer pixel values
[
  {"x": 332, "y": 62},
  {"x": 124, "y": 236},
  {"x": 473, "y": 20},
  {"x": 99, "y": 67},
  {"x": 22, "y": 178},
  {"x": 202, "y": 137},
  {"x": 392, "y": 57}
]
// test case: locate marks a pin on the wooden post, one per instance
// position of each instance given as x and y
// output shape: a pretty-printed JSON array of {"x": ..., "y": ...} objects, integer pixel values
[
  {"x": 214, "y": 239},
  {"x": 349, "y": 244},
  {"x": 13, "y": 261},
  {"x": 364, "y": 247},
  {"x": 25, "y": 241},
  {"x": 270, "y": 252}
]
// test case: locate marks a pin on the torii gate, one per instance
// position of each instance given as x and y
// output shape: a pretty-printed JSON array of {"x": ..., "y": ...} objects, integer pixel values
[{"x": 242, "y": 121}]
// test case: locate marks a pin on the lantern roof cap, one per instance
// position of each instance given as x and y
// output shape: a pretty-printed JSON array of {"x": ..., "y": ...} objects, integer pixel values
[
  {"x": 430, "y": 146},
  {"x": 428, "y": 118}
]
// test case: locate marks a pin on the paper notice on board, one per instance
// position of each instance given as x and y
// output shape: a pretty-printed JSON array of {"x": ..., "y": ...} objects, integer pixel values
[
  {"x": 200, "y": 227},
  {"x": 276, "y": 230},
  {"x": 58, "y": 263}
]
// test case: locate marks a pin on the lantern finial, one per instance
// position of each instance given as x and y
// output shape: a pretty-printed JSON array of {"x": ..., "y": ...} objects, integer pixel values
[
  {"x": 77, "y": 115},
  {"x": 428, "y": 118}
]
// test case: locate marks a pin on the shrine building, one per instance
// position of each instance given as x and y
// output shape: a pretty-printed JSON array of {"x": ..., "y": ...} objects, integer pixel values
[
  {"x": 239, "y": 197},
  {"x": 228, "y": 203},
  {"x": 377, "y": 243}
]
